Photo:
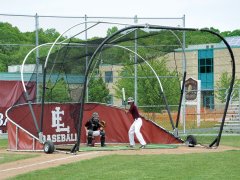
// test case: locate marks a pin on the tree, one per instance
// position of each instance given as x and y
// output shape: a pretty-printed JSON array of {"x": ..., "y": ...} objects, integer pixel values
[
  {"x": 223, "y": 87},
  {"x": 57, "y": 92},
  {"x": 112, "y": 30},
  {"x": 149, "y": 91},
  {"x": 98, "y": 91},
  {"x": 19, "y": 44}
]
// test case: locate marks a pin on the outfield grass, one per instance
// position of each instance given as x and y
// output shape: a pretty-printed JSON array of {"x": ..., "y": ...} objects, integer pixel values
[{"x": 221, "y": 165}]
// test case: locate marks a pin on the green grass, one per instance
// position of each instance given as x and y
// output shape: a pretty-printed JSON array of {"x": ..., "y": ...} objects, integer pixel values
[
  {"x": 221, "y": 165},
  {"x": 225, "y": 140},
  {"x": 122, "y": 147},
  {"x": 230, "y": 141},
  {"x": 3, "y": 143},
  {"x": 6, "y": 157}
]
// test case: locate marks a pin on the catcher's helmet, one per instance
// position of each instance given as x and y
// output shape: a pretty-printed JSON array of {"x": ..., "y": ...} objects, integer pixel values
[
  {"x": 95, "y": 115},
  {"x": 130, "y": 99}
]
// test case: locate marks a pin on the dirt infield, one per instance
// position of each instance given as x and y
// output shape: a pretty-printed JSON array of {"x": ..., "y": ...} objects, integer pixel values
[{"x": 57, "y": 158}]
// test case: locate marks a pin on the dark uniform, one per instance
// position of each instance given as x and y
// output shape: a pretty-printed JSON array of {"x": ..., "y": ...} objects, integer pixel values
[{"x": 93, "y": 128}]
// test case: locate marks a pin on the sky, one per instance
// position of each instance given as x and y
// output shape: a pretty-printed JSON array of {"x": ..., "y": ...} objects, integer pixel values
[{"x": 220, "y": 14}]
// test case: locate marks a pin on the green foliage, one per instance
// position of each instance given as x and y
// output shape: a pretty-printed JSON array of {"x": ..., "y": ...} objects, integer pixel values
[
  {"x": 12, "y": 52},
  {"x": 198, "y": 37},
  {"x": 10, "y": 34},
  {"x": 229, "y": 33},
  {"x": 223, "y": 85},
  {"x": 112, "y": 30},
  {"x": 98, "y": 91},
  {"x": 57, "y": 92},
  {"x": 149, "y": 92}
]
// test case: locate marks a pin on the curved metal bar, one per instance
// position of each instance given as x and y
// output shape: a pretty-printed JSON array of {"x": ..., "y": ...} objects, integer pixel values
[
  {"x": 218, "y": 138},
  {"x": 24, "y": 87},
  {"x": 25, "y": 59}
]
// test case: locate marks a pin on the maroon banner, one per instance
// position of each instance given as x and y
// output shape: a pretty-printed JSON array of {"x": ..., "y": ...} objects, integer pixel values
[
  {"x": 11, "y": 92},
  {"x": 60, "y": 123}
]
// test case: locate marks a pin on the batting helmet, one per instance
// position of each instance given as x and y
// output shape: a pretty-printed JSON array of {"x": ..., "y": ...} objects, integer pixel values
[{"x": 130, "y": 99}]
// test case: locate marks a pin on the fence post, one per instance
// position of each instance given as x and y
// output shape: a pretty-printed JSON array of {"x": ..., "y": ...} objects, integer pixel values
[
  {"x": 135, "y": 62},
  {"x": 37, "y": 55}
]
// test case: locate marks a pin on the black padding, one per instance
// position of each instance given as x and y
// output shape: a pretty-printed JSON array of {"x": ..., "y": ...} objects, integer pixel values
[
  {"x": 191, "y": 141},
  {"x": 48, "y": 147}
]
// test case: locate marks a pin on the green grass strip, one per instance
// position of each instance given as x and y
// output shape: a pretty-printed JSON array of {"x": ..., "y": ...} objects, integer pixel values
[
  {"x": 6, "y": 158},
  {"x": 123, "y": 147}
]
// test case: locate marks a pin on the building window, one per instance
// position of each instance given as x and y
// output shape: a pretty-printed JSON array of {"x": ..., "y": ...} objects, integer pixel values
[
  {"x": 108, "y": 77},
  {"x": 205, "y": 74},
  {"x": 205, "y": 68},
  {"x": 208, "y": 99},
  {"x": 206, "y": 65}
]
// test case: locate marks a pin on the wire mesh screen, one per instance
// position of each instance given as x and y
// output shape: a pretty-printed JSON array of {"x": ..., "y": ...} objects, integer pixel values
[{"x": 149, "y": 64}]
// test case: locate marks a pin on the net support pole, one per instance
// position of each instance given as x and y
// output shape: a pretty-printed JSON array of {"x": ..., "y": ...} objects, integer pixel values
[
  {"x": 184, "y": 70},
  {"x": 135, "y": 64},
  {"x": 37, "y": 55},
  {"x": 86, "y": 51},
  {"x": 181, "y": 97}
]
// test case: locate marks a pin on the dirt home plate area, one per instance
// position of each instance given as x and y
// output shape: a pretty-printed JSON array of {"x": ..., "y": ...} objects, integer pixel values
[{"x": 58, "y": 158}]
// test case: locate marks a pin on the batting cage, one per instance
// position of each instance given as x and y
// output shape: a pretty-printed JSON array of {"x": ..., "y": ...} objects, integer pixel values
[{"x": 182, "y": 87}]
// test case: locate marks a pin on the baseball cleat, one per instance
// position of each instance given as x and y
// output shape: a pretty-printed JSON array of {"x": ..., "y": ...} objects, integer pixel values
[{"x": 142, "y": 147}]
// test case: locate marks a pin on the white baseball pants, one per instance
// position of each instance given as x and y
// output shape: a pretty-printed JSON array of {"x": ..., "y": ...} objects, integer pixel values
[{"x": 135, "y": 128}]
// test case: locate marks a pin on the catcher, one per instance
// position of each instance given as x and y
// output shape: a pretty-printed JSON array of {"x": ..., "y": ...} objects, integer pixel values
[{"x": 95, "y": 127}]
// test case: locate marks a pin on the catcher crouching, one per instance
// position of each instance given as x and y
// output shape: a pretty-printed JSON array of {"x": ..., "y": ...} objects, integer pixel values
[{"x": 95, "y": 127}]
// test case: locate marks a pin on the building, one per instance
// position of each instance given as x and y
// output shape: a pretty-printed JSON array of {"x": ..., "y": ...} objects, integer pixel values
[
  {"x": 207, "y": 62},
  {"x": 110, "y": 74}
]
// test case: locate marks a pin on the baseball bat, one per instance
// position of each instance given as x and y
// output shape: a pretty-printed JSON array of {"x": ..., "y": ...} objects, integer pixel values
[{"x": 123, "y": 95}]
